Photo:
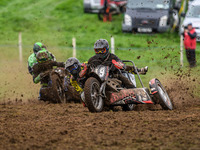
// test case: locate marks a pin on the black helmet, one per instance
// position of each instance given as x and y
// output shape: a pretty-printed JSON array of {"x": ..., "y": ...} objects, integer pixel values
[
  {"x": 38, "y": 46},
  {"x": 42, "y": 56},
  {"x": 73, "y": 65}
]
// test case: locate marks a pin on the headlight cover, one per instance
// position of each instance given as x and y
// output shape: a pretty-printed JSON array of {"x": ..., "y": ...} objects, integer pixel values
[
  {"x": 163, "y": 21},
  {"x": 127, "y": 20}
]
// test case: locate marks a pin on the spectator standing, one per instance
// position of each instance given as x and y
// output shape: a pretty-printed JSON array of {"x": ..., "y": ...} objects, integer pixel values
[
  {"x": 190, "y": 44},
  {"x": 107, "y": 15}
]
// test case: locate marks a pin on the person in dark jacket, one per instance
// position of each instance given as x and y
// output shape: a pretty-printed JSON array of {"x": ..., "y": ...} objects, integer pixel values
[{"x": 190, "y": 44}]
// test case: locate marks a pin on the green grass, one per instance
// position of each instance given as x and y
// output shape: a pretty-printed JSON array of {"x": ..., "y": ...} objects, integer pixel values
[{"x": 55, "y": 23}]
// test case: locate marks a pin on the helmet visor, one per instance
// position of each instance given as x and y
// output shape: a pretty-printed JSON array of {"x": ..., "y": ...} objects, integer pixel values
[
  {"x": 73, "y": 67},
  {"x": 100, "y": 51}
]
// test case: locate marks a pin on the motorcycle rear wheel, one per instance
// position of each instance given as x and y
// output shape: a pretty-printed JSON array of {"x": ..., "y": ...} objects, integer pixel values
[
  {"x": 93, "y": 100},
  {"x": 58, "y": 91}
]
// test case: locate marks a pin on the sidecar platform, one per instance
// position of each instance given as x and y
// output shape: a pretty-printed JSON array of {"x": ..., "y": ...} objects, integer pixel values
[{"x": 130, "y": 96}]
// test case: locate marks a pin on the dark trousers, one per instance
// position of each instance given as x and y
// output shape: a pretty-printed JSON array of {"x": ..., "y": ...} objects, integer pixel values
[{"x": 190, "y": 53}]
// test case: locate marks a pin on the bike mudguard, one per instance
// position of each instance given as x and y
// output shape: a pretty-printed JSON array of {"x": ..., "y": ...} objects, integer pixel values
[
  {"x": 130, "y": 96},
  {"x": 152, "y": 85},
  {"x": 154, "y": 90}
]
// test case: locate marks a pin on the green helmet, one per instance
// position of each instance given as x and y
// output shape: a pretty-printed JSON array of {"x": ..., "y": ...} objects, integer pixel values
[
  {"x": 38, "y": 46},
  {"x": 42, "y": 56}
]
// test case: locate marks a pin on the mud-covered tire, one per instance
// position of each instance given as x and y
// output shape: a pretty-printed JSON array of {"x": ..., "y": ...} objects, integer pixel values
[
  {"x": 57, "y": 89},
  {"x": 93, "y": 101},
  {"x": 128, "y": 107},
  {"x": 163, "y": 97}
]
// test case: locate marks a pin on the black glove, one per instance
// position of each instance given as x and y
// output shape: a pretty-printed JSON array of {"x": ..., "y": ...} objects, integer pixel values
[
  {"x": 143, "y": 70},
  {"x": 44, "y": 74}
]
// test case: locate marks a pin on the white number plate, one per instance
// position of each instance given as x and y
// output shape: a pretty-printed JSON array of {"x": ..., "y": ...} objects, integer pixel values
[{"x": 144, "y": 29}]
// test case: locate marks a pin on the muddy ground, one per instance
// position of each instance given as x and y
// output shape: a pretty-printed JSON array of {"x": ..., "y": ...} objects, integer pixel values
[{"x": 40, "y": 125}]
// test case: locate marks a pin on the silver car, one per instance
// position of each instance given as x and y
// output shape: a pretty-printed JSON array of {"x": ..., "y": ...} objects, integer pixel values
[
  {"x": 92, "y": 6},
  {"x": 193, "y": 16}
]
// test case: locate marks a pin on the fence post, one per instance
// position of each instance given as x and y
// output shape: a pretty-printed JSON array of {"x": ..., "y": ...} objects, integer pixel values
[
  {"x": 74, "y": 46},
  {"x": 20, "y": 47},
  {"x": 181, "y": 50},
  {"x": 112, "y": 45}
]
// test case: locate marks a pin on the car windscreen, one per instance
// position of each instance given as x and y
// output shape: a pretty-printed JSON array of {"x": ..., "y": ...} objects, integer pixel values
[
  {"x": 194, "y": 12},
  {"x": 151, "y": 4}
]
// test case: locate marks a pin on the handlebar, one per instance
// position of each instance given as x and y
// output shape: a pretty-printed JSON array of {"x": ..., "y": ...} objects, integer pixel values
[{"x": 135, "y": 70}]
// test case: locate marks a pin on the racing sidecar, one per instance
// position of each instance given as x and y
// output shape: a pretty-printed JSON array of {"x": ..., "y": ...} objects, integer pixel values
[{"x": 103, "y": 89}]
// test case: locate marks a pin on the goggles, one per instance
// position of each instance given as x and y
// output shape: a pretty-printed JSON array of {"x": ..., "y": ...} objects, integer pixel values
[
  {"x": 73, "y": 67},
  {"x": 42, "y": 60},
  {"x": 100, "y": 51}
]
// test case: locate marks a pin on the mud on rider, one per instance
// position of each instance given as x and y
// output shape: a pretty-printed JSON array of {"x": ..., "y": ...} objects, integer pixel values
[
  {"x": 44, "y": 63},
  {"x": 38, "y": 46},
  {"x": 77, "y": 71}
]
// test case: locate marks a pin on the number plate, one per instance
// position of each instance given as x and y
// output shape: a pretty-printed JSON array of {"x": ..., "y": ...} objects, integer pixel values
[{"x": 144, "y": 29}]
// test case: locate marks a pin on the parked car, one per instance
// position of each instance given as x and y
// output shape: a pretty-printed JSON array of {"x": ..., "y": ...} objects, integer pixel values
[
  {"x": 192, "y": 16},
  {"x": 92, "y": 6},
  {"x": 149, "y": 16}
]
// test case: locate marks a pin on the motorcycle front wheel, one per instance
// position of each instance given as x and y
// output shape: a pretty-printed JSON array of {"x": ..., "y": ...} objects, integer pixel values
[{"x": 93, "y": 99}]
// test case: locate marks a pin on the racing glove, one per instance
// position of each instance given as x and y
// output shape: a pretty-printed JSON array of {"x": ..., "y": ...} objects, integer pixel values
[
  {"x": 118, "y": 65},
  {"x": 140, "y": 70},
  {"x": 143, "y": 70},
  {"x": 43, "y": 74}
]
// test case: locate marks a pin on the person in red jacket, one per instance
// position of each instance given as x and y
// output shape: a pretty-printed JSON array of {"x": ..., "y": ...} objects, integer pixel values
[{"x": 190, "y": 44}]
